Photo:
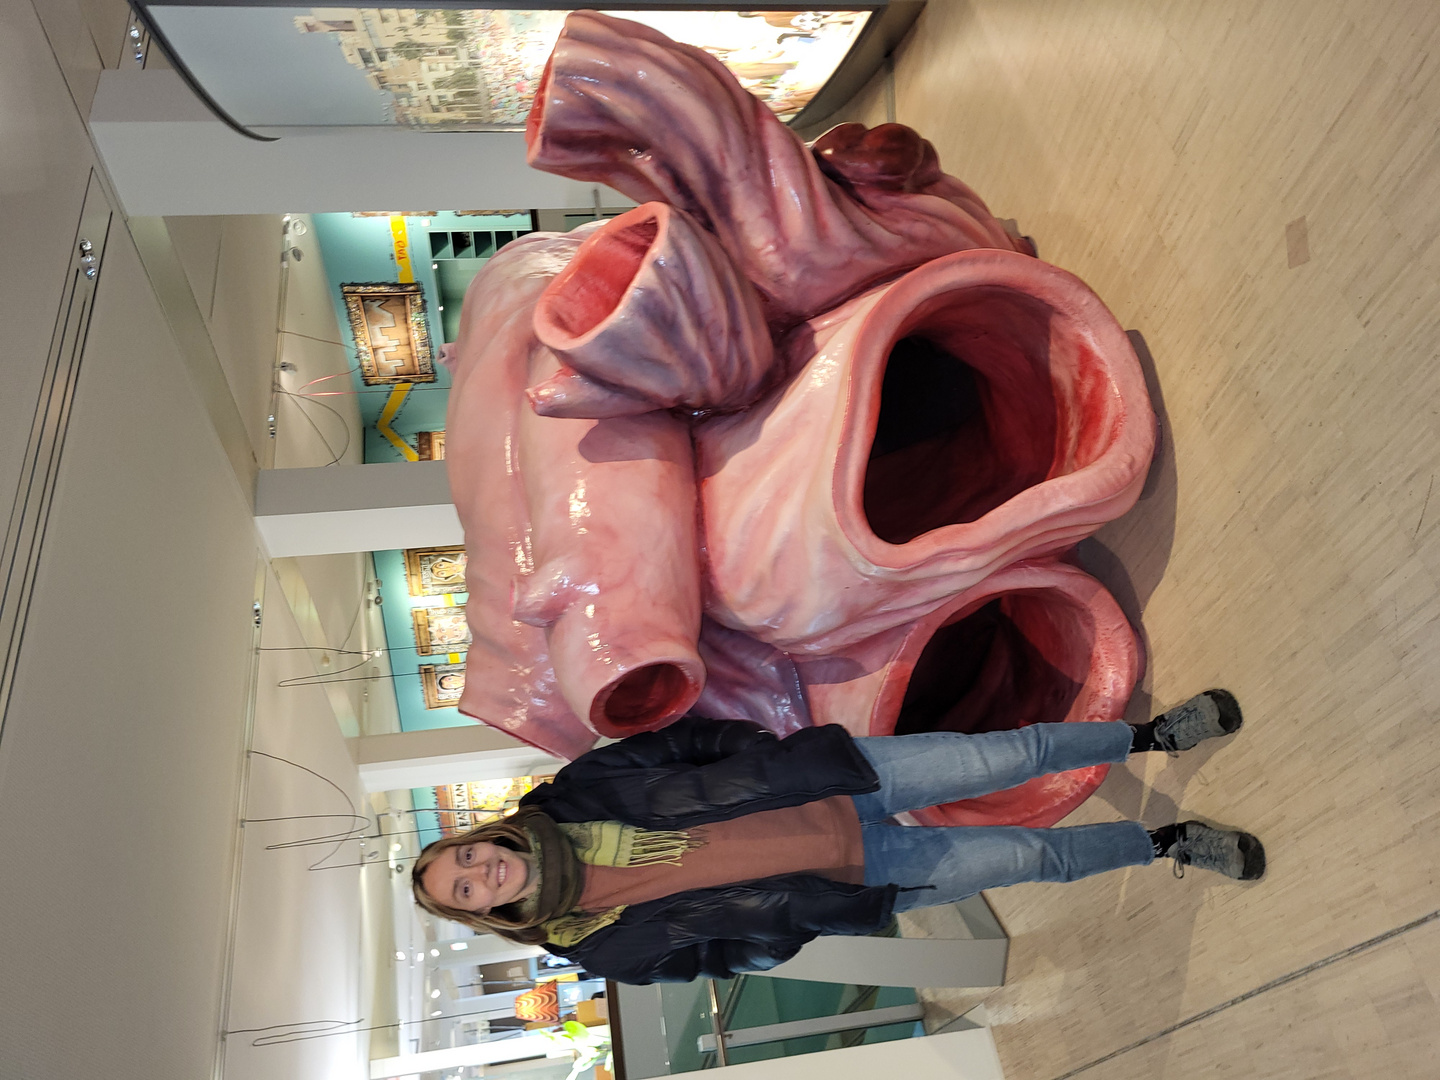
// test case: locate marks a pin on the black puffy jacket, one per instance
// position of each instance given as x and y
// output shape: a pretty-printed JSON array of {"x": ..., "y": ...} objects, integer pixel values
[{"x": 695, "y": 772}]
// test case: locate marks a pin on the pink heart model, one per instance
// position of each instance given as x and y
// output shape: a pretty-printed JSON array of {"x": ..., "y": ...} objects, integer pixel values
[{"x": 821, "y": 383}]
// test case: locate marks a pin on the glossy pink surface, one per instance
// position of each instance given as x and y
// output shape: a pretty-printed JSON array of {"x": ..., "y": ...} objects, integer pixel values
[
  {"x": 817, "y": 387},
  {"x": 582, "y": 622},
  {"x": 651, "y": 314},
  {"x": 814, "y": 542}
]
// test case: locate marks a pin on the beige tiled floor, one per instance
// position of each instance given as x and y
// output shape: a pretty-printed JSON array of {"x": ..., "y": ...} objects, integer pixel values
[{"x": 1288, "y": 545}]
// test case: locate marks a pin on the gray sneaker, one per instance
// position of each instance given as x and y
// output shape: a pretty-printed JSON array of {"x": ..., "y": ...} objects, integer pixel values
[
  {"x": 1237, "y": 855},
  {"x": 1205, "y": 716}
]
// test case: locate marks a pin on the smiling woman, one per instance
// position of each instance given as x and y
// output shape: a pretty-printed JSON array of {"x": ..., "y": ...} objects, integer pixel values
[
  {"x": 480, "y": 876},
  {"x": 501, "y": 876}
]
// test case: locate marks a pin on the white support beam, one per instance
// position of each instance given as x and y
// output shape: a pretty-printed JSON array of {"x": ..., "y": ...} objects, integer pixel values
[
  {"x": 344, "y": 508},
  {"x": 168, "y": 155},
  {"x": 450, "y": 755},
  {"x": 482, "y": 949},
  {"x": 649, "y": 1044},
  {"x": 459, "y": 1057},
  {"x": 917, "y": 962}
]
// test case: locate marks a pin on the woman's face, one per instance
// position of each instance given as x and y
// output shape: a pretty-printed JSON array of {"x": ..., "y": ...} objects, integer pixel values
[{"x": 477, "y": 877}]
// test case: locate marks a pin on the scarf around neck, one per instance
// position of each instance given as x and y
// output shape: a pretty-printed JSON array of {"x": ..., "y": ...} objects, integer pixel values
[{"x": 563, "y": 849}]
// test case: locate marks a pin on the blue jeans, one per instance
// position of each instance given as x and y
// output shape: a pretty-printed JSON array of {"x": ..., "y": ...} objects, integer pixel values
[{"x": 942, "y": 865}]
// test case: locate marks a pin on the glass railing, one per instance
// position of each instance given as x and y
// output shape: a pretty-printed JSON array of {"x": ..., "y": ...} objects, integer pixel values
[{"x": 684, "y": 1027}]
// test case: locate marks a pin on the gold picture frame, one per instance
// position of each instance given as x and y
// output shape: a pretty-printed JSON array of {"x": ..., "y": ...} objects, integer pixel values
[
  {"x": 442, "y": 684},
  {"x": 392, "y": 335},
  {"x": 440, "y": 629},
  {"x": 430, "y": 445},
  {"x": 435, "y": 571}
]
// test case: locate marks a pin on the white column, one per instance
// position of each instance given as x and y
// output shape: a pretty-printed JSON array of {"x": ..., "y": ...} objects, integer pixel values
[
  {"x": 168, "y": 155},
  {"x": 917, "y": 962},
  {"x": 452, "y": 755},
  {"x": 486, "y": 1053},
  {"x": 482, "y": 949},
  {"x": 345, "y": 508}
]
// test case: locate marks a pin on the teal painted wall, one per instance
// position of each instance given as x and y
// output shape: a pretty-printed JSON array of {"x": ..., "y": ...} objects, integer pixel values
[
  {"x": 426, "y": 816},
  {"x": 360, "y": 249},
  {"x": 400, "y": 641}
]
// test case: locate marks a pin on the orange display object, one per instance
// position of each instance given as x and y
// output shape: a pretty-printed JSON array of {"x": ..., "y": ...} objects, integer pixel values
[
  {"x": 807, "y": 437},
  {"x": 540, "y": 1004}
]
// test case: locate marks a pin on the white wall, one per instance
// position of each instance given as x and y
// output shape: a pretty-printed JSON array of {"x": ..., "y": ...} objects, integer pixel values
[{"x": 168, "y": 155}]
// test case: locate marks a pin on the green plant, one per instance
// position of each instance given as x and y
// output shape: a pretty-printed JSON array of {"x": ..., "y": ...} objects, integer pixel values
[{"x": 591, "y": 1046}]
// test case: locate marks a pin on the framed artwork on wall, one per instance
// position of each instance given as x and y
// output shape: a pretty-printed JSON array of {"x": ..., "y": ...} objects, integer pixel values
[
  {"x": 392, "y": 338},
  {"x": 463, "y": 806},
  {"x": 440, "y": 629},
  {"x": 443, "y": 684},
  {"x": 430, "y": 445},
  {"x": 435, "y": 571}
]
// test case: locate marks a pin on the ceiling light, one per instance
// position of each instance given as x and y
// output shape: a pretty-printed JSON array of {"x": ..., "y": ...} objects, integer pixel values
[
  {"x": 459, "y": 946},
  {"x": 399, "y": 955},
  {"x": 434, "y": 952},
  {"x": 437, "y": 1012},
  {"x": 434, "y": 993}
]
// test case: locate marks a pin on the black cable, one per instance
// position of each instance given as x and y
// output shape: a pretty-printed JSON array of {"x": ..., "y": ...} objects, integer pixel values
[
  {"x": 348, "y": 835},
  {"x": 356, "y": 832},
  {"x": 311, "y": 421},
  {"x": 293, "y": 1032},
  {"x": 371, "y": 653},
  {"x": 355, "y": 619},
  {"x": 335, "y": 1025},
  {"x": 415, "y": 388},
  {"x": 335, "y": 458},
  {"x": 322, "y": 341},
  {"x": 319, "y": 678},
  {"x": 319, "y": 681}
]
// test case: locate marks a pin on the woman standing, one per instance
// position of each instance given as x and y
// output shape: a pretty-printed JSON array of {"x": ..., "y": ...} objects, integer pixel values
[{"x": 712, "y": 848}]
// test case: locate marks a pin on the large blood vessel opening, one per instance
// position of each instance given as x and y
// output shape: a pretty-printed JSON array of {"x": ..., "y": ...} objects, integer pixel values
[
  {"x": 988, "y": 671},
  {"x": 968, "y": 416}
]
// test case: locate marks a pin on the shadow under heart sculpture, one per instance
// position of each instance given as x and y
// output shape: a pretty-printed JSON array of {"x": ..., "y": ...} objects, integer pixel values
[{"x": 801, "y": 438}]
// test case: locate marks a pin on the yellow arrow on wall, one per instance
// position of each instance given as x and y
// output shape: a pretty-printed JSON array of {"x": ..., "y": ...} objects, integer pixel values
[{"x": 400, "y": 240}]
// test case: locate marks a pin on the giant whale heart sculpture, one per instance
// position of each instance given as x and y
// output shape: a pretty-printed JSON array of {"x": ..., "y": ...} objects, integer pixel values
[{"x": 805, "y": 437}]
